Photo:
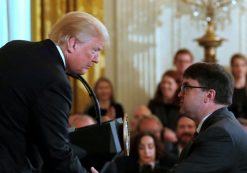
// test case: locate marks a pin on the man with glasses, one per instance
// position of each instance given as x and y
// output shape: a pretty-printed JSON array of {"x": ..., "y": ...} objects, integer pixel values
[{"x": 221, "y": 144}]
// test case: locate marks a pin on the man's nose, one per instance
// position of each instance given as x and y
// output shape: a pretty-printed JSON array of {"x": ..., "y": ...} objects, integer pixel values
[{"x": 96, "y": 58}]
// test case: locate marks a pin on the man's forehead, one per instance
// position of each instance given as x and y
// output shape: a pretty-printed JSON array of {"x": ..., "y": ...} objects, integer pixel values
[
  {"x": 185, "y": 120},
  {"x": 150, "y": 123},
  {"x": 189, "y": 81}
]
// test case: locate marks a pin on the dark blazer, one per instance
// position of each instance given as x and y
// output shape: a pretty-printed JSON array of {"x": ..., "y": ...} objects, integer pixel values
[
  {"x": 239, "y": 103},
  {"x": 220, "y": 147},
  {"x": 167, "y": 113},
  {"x": 34, "y": 106}
]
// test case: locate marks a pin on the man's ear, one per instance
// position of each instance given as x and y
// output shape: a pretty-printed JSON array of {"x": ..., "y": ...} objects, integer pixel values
[
  {"x": 211, "y": 94},
  {"x": 71, "y": 43}
]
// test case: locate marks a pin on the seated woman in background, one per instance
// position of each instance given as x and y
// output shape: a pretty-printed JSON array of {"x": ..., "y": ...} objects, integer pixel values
[
  {"x": 109, "y": 108},
  {"x": 145, "y": 152},
  {"x": 239, "y": 72},
  {"x": 164, "y": 105}
]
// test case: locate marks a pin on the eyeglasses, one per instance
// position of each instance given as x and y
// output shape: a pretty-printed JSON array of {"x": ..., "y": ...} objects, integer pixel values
[{"x": 185, "y": 87}]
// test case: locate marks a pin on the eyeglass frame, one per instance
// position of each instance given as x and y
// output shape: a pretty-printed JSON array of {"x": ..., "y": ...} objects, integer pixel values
[{"x": 183, "y": 87}]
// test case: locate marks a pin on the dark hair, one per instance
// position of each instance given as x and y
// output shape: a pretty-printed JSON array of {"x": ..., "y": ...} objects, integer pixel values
[
  {"x": 238, "y": 56},
  {"x": 158, "y": 94},
  {"x": 104, "y": 79},
  {"x": 135, "y": 141},
  {"x": 182, "y": 51},
  {"x": 212, "y": 76}
]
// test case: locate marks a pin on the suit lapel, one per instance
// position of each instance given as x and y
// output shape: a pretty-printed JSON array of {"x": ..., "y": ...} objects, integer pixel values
[{"x": 214, "y": 117}]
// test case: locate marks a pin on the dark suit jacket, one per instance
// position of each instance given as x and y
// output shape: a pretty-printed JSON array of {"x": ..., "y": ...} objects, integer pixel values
[
  {"x": 118, "y": 108},
  {"x": 220, "y": 147},
  {"x": 34, "y": 106},
  {"x": 167, "y": 113}
]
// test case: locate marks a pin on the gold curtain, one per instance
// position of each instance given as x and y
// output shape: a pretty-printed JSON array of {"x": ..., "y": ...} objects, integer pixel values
[{"x": 44, "y": 14}]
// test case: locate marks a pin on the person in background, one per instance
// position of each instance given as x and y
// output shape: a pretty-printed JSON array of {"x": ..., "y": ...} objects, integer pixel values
[
  {"x": 146, "y": 149},
  {"x": 80, "y": 120},
  {"x": 185, "y": 131},
  {"x": 182, "y": 59},
  {"x": 220, "y": 143},
  {"x": 36, "y": 95},
  {"x": 153, "y": 125},
  {"x": 239, "y": 73},
  {"x": 165, "y": 102},
  {"x": 109, "y": 108},
  {"x": 145, "y": 152},
  {"x": 138, "y": 113}
]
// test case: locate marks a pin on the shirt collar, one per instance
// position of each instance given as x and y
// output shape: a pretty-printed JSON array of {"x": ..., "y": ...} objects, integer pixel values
[
  {"x": 201, "y": 123},
  {"x": 62, "y": 55},
  {"x": 179, "y": 149}
]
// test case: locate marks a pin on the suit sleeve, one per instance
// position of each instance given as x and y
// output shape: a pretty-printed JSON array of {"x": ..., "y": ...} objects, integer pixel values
[
  {"x": 49, "y": 116},
  {"x": 211, "y": 152}
]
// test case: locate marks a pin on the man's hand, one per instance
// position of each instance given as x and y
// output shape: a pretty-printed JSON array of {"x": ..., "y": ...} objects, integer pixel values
[
  {"x": 93, "y": 170},
  {"x": 169, "y": 135}
]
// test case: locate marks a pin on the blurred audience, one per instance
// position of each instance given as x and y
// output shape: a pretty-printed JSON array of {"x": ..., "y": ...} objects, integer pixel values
[
  {"x": 182, "y": 60},
  {"x": 239, "y": 73},
  {"x": 185, "y": 131},
  {"x": 109, "y": 108},
  {"x": 165, "y": 102},
  {"x": 138, "y": 113},
  {"x": 152, "y": 124},
  {"x": 80, "y": 120}
]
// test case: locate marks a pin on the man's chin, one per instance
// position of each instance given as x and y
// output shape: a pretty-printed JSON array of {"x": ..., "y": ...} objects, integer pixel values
[
  {"x": 186, "y": 139},
  {"x": 80, "y": 72},
  {"x": 83, "y": 72},
  {"x": 184, "y": 142}
]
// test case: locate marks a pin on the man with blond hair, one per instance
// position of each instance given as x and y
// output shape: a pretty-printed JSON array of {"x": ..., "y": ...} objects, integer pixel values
[{"x": 36, "y": 95}]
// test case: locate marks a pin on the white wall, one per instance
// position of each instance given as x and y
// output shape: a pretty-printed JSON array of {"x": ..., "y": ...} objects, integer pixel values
[{"x": 145, "y": 36}]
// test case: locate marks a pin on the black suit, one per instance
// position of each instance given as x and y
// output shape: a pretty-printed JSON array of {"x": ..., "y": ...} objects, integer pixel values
[
  {"x": 34, "y": 106},
  {"x": 220, "y": 147}
]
